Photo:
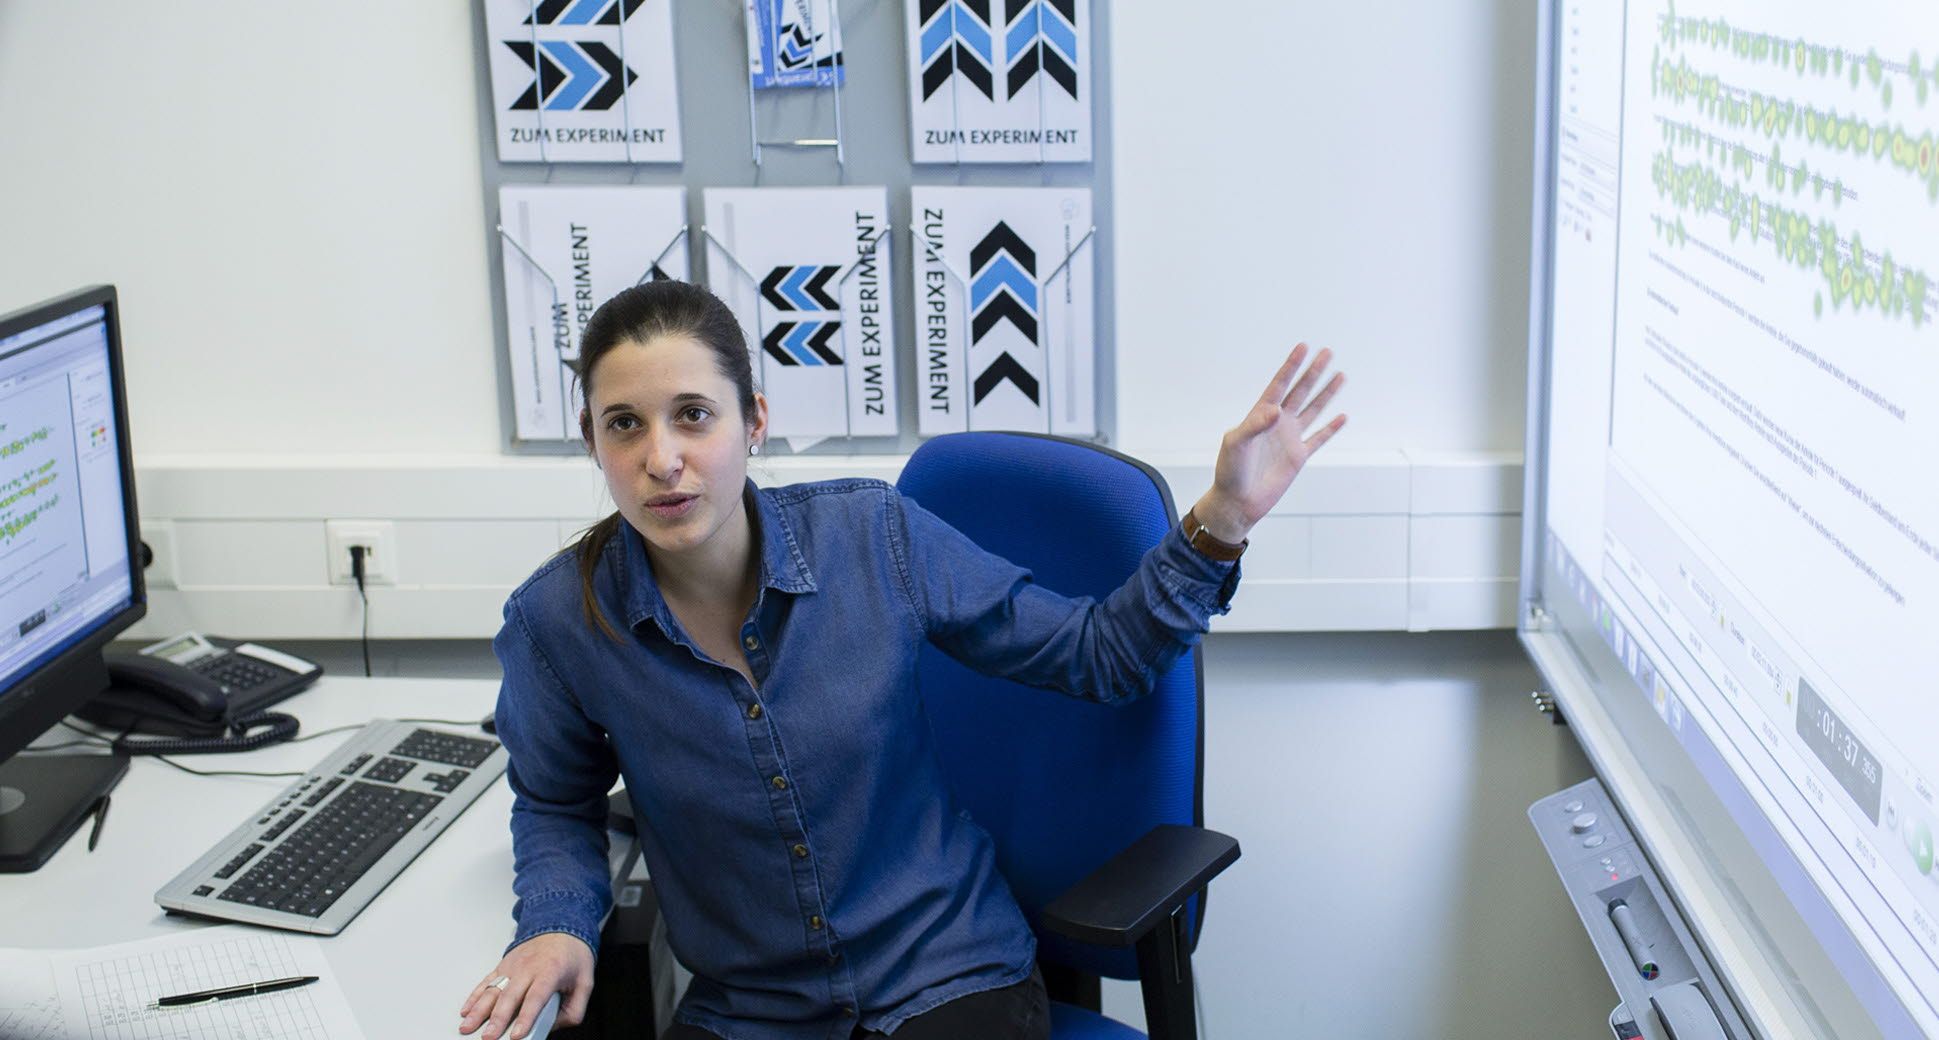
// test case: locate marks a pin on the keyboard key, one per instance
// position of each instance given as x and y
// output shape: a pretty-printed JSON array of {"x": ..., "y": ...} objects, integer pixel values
[
  {"x": 389, "y": 770},
  {"x": 447, "y": 748},
  {"x": 323, "y": 858}
]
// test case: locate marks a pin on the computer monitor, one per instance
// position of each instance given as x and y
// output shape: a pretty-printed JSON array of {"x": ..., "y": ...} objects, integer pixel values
[
  {"x": 69, "y": 542},
  {"x": 1729, "y": 572}
]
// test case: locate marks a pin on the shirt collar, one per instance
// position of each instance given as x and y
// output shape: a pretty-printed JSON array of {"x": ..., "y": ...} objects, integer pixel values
[{"x": 783, "y": 568}]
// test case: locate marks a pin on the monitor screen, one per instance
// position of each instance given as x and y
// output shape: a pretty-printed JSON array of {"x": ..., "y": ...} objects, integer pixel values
[
  {"x": 1737, "y": 537},
  {"x": 65, "y": 570}
]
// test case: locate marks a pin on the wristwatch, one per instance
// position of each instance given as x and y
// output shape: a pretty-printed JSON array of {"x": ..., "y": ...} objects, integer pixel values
[{"x": 1202, "y": 540}]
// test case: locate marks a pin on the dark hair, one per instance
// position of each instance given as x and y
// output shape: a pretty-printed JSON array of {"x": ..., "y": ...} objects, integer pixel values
[{"x": 643, "y": 314}]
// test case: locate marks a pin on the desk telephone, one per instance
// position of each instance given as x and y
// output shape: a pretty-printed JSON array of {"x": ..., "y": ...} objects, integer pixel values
[{"x": 207, "y": 694}]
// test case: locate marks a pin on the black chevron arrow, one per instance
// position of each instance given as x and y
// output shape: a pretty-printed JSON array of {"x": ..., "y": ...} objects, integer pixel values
[
  {"x": 1003, "y": 307},
  {"x": 772, "y": 344},
  {"x": 1053, "y": 64},
  {"x": 1002, "y": 240},
  {"x": 819, "y": 342},
  {"x": 548, "y": 12},
  {"x": 817, "y": 288},
  {"x": 546, "y": 69},
  {"x": 624, "y": 9},
  {"x": 957, "y": 57},
  {"x": 771, "y": 288},
  {"x": 1005, "y": 367},
  {"x": 618, "y": 77}
]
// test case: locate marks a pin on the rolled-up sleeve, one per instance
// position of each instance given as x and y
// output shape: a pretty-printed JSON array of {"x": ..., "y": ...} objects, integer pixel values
[
  {"x": 991, "y": 615},
  {"x": 561, "y": 769}
]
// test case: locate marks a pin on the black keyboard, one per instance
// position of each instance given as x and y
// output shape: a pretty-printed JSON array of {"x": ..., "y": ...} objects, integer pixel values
[{"x": 313, "y": 857}]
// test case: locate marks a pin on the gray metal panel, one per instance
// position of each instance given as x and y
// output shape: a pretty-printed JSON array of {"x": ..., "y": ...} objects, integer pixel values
[{"x": 710, "y": 46}]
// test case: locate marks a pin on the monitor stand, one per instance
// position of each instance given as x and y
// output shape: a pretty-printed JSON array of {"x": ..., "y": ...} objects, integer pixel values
[{"x": 43, "y": 798}]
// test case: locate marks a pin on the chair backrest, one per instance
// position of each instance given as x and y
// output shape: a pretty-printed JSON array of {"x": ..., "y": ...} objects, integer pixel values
[{"x": 1061, "y": 784}]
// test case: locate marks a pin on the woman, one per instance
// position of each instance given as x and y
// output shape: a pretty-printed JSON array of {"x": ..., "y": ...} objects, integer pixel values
[{"x": 745, "y": 658}]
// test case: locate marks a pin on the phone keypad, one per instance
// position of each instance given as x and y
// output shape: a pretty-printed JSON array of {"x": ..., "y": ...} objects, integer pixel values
[{"x": 240, "y": 673}]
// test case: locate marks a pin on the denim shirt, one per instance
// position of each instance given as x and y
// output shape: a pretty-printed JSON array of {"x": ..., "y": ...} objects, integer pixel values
[{"x": 812, "y": 869}]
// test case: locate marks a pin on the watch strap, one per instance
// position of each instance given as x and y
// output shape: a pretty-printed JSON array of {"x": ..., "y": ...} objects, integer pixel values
[{"x": 1212, "y": 548}]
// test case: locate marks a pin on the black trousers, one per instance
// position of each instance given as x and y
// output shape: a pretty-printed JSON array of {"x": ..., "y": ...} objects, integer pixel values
[{"x": 1019, "y": 1012}]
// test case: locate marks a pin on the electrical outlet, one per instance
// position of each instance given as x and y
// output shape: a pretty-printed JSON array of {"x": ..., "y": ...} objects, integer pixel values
[
  {"x": 160, "y": 536},
  {"x": 379, "y": 540}
]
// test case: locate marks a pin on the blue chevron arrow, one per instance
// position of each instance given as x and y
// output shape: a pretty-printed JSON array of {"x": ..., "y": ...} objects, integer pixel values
[
  {"x": 583, "y": 12},
  {"x": 1003, "y": 273},
  {"x": 797, "y": 342},
  {"x": 794, "y": 50},
  {"x": 1032, "y": 23},
  {"x": 582, "y": 76},
  {"x": 955, "y": 22},
  {"x": 792, "y": 288}
]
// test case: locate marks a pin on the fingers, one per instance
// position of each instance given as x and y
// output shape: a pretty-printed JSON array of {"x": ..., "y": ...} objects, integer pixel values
[
  {"x": 1312, "y": 411},
  {"x": 1306, "y": 381},
  {"x": 1282, "y": 380},
  {"x": 478, "y": 1007},
  {"x": 1326, "y": 433},
  {"x": 505, "y": 1007},
  {"x": 529, "y": 1013},
  {"x": 572, "y": 1011}
]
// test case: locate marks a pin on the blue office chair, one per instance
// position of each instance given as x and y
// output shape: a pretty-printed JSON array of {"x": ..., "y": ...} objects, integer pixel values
[{"x": 1096, "y": 810}]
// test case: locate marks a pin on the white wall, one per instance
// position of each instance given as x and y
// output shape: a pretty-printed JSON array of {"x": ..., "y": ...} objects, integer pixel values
[
  {"x": 289, "y": 198},
  {"x": 1356, "y": 175}
]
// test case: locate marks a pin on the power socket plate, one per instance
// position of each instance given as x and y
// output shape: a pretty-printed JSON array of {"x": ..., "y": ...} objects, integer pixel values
[{"x": 379, "y": 539}]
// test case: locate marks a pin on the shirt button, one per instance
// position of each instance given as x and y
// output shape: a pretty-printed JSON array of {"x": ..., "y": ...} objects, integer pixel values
[
  {"x": 780, "y": 783},
  {"x": 801, "y": 852},
  {"x": 751, "y": 643},
  {"x": 753, "y": 711},
  {"x": 814, "y": 921},
  {"x": 848, "y": 1011}
]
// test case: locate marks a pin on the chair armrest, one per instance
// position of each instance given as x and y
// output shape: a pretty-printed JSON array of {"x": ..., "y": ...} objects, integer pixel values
[{"x": 1141, "y": 886}]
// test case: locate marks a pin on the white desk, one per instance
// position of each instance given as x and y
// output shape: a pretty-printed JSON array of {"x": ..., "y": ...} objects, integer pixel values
[{"x": 406, "y": 963}]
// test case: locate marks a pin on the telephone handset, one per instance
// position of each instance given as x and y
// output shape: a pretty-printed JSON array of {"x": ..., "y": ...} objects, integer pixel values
[{"x": 207, "y": 692}]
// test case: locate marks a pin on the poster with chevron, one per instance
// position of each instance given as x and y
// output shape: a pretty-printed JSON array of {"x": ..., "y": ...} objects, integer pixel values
[
  {"x": 807, "y": 272},
  {"x": 1003, "y": 81},
  {"x": 1005, "y": 310},
  {"x": 583, "y": 80},
  {"x": 566, "y": 251},
  {"x": 793, "y": 43}
]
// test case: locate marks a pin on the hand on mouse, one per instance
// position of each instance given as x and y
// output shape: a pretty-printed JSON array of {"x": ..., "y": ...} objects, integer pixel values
[{"x": 553, "y": 962}]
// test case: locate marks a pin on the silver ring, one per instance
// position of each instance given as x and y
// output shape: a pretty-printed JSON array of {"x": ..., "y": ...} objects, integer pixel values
[{"x": 499, "y": 983}]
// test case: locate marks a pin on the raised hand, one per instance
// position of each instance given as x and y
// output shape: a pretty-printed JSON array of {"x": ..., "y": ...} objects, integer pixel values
[{"x": 1259, "y": 458}]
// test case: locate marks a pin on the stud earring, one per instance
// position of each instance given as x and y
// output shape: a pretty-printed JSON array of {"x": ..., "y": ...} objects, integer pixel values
[{"x": 753, "y": 449}]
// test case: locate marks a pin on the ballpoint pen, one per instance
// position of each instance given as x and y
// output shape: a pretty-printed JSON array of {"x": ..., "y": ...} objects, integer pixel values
[{"x": 249, "y": 989}]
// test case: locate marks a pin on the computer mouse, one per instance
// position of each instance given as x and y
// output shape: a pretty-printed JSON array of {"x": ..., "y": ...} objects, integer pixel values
[{"x": 489, "y": 723}]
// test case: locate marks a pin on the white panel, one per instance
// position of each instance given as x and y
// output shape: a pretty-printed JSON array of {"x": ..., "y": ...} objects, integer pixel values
[
  {"x": 1463, "y": 603},
  {"x": 1464, "y": 546},
  {"x": 327, "y": 613},
  {"x": 254, "y": 554},
  {"x": 1346, "y": 547},
  {"x": 485, "y": 552},
  {"x": 1348, "y": 482},
  {"x": 1281, "y": 547},
  {"x": 1268, "y": 605},
  {"x": 1483, "y": 482}
]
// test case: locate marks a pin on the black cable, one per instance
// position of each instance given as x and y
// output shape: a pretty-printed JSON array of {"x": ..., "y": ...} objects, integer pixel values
[{"x": 357, "y": 572}]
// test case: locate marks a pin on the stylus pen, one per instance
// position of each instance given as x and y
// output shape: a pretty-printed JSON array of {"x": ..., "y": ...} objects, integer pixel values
[
  {"x": 248, "y": 989},
  {"x": 1625, "y": 921}
]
